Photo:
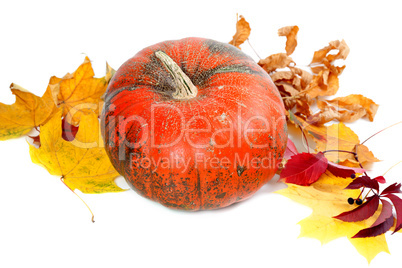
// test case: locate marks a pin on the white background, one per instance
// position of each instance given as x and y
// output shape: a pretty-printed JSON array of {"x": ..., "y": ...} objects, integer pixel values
[{"x": 42, "y": 224}]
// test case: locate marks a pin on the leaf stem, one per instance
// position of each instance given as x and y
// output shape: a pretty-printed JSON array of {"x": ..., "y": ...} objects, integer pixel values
[
  {"x": 62, "y": 180},
  {"x": 248, "y": 41},
  {"x": 391, "y": 168},
  {"x": 305, "y": 138},
  {"x": 380, "y": 132}
]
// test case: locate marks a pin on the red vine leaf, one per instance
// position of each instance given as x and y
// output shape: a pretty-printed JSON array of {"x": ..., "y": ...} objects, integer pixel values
[
  {"x": 304, "y": 168},
  {"x": 364, "y": 181},
  {"x": 392, "y": 189},
  {"x": 343, "y": 171},
  {"x": 397, "y": 202},
  {"x": 383, "y": 223},
  {"x": 386, "y": 212},
  {"x": 376, "y": 230},
  {"x": 380, "y": 179},
  {"x": 362, "y": 212}
]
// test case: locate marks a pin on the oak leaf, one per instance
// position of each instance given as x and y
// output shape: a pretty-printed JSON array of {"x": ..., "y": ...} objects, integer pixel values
[
  {"x": 328, "y": 198},
  {"x": 291, "y": 37},
  {"x": 27, "y": 112},
  {"x": 80, "y": 92},
  {"x": 82, "y": 163},
  {"x": 242, "y": 32}
]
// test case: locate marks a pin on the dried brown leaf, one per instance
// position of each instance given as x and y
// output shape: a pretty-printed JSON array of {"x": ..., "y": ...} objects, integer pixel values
[
  {"x": 356, "y": 102},
  {"x": 322, "y": 60},
  {"x": 275, "y": 61},
  {"x": 329, "y": 112},
  {"x": 325, "y": 83},
  {"x": 344, "y": 109},
  {"x": 291, "y": 37},
  {"x": 242, "y": 32}
]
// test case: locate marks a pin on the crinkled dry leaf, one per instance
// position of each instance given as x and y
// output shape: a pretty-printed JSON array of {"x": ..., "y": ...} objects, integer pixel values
[
  {"x": 291, "y": 37},
  {"x": 79, "y": 93},
  {"x": 242, "y": 32},
  {"x": 329, "y": 113},
  {"x": 328, "y": 198},
  {"x": 275, "y": 61},
  {"x": 344, "y": 109},
  {"x": 83, "y": 162},
  {"x": 27, "y": 112},
  {"x": 322, "y": 60},
  {"x": 325, "y": 83}
]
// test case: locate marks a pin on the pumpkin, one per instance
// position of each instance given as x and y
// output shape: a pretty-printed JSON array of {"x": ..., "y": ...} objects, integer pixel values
[{"x": 193, "y": 124}]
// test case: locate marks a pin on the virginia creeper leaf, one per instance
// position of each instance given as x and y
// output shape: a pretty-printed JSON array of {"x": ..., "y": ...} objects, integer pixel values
[
  {"x": 394, "y": 188},
  {"x": 376, "y": 230},
  {"x": 397, "y": 202},
  {"x": 304, "y": 168},
  {"x": 380, "y": 179},
  {"x": 342, "y": 171},
  {"x": 363, "y": 212},
  {"x": 383, "y": 223},
  {"x": 327, "y": 198},
  {"x": 364, "y": 181}
]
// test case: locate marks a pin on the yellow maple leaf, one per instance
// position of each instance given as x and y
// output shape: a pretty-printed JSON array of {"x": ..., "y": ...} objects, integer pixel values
[
  {"x": 80, "y": 92},
  {"x": 27, "y": 112},
  {"x": 327, "y": 198},
  {"x": 82, "y": 163},
  {"x": 337, "y": 138}
]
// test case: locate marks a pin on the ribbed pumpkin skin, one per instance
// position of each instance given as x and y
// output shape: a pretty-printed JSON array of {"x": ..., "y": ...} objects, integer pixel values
[{"x": 194, "y": 154}]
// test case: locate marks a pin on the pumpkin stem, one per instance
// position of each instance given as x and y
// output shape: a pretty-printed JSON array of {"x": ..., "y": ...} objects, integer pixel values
[{"x": 185, "y": 89}]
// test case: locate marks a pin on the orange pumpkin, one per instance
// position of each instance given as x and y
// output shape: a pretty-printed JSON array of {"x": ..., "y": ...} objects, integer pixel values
[{"x": 194, "y": 124}]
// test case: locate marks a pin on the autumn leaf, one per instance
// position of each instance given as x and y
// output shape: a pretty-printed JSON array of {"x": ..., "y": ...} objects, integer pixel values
[
  {"x": 322, "y": 60},
  {"x": 27, "y": 112},
  {"x": 325, "y": 83},
  {"x": 304, "y": 168},
  {"x": 344, "y": 109},
  {"x": 79, "y": 93},
  {"x": 242, "y": 32},
  {"x": 82, "y": 163},
  {"x": 364, "y": 154},
  {"x": 291, "y": 37},
  {"x": 328, "y": 198},
  {"x": 336, "y": 138},
  {"x": 275, "y": 61}
]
